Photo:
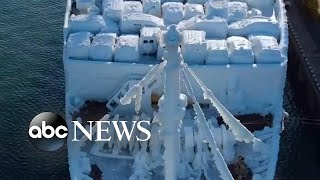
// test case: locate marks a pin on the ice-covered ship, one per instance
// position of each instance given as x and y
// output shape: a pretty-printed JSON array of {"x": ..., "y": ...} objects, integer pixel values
[{"x": 208, "y": 75}]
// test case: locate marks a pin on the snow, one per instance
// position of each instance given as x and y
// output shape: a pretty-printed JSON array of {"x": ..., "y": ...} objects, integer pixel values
[
  {"x": 194, "y": 46},
  {"x": 132, "y": 23},
  {"x": 173, "y": 12},
  {"x": 255, "y": 26},
  {"x": 132, "y": 7},
  {"x": 216, "y": 9},
  {"x": 152, "y": 7},
  {"x": 112, "y": 9},
  {"x": 126, "y": 49},
  {"x": 149, "y": 39},
  {"x": 191, "y": 10},
  {"x": 215, "y": 28},
  {"x": 86, "y": 22},
  {"x": 240, "y": 50},
  {"x": 102, "y": 47},
  {"x": 237, "y": 11},
  {"x": 78, "y": 45},
  {"x": 266, "y": 49},
  {"x": 217, "y": 52}
]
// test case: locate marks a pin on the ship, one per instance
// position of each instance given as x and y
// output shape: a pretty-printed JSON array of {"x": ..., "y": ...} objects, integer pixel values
[{"x": 208, "y": 76}]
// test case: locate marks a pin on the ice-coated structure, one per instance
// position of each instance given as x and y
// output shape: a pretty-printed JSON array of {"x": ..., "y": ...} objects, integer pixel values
[
  {"x": 132, "y": 7},
  {"x": 132, "y": 23},
  {"x": 240, "y": 50},
  {"x": 102, "y": 47},
  {"x": 152, "y": 7},
  {"x": 217, "y": 52},
  {"x": 172, "y": 12},
  {"x": 126, "y": 49},
  {"x": 211, "y": 87},
  {"x": 191, "y": 10},
  {"x": 78, "y": 45},
  {"x": 149, "y": 39},
  {"x": 194, "y": 46},
  {"x": 112, "y": 9}
]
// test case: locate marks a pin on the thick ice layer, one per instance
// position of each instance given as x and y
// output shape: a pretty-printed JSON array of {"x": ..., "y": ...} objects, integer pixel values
[
  {"x": 217, "y": 52},
  {"x": 86, "y": 22},
  {"x": 255, "y": 26},
  {"x": 214, "y": 28},
  {"x": 112, "y": 9},
  {"x": 266, "y": 49},
  {"x": 191, "y": 10},
  {"x": 78, "y": 45},
  {"x": 173, "y": 12},
  {"x": 126, "y": 49},
  {"x": 132, "y": 7},
  {"x": 102, "y": 47},
  {"x": 149, "y": 39},
  {"x": 133, "y": 22},
  {"x": 266, "y": 6},
  {"x": 216, "y": 9},
  {"x": 152, "y": 7},
  {"x": 240, "y": 50},
  {"x": 237, "y": 11},
  {"x": 194, "y": 46}
]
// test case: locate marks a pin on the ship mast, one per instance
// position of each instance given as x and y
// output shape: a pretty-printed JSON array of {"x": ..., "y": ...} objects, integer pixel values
[{"x": 171, "y": 119}]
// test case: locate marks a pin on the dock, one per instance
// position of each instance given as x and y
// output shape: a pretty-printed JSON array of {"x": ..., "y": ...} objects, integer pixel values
[{"x": 304, "y": 57}]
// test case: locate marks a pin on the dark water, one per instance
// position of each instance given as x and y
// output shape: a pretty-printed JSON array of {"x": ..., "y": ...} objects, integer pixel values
[{"x": 32, "y": 81}]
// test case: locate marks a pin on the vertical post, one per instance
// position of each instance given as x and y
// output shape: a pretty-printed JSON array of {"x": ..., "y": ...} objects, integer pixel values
[{"x": 171, "y": 97}]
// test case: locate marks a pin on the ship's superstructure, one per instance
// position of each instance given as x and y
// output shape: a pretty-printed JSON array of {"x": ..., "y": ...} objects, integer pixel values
[{"x": 224, "y": 93}]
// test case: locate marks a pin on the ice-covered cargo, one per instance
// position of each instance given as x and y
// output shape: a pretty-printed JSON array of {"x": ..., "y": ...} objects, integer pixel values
[
  {"x": 265, "y": 6},
  {"x": 237, "y": 11},
  {"x": 216, "y": 9},
  {"x": 112, "y": 9},
  {"x": 111, "y": 27},
  {"x": 152, "y": 7},
  {"x": 215, "y": 28},
  {"x": 240, "y": 50},
  {"x": 161, "y": 46},
  {"x": 191, "y": 10},
  {"x": 102, "y": 47},
  {"x": 255, "y": 26},
  {"x": 194, "y": 46},
  {"x": 149, "y": 39},
  {"x": 78, "y": 45},
  {"x": 266, "y": 49},
  {"x": 84, "y": 4},
  {"x": 86, "y": 23},
  {"x": 132, "y": 7},
  {"x": 132, "y": 23},
  {"x": 94, "y": 10},
  {"x": 126, "y": 49},
  {"x": 172, "y": 12},
  {"x": 217, "y": 52}
]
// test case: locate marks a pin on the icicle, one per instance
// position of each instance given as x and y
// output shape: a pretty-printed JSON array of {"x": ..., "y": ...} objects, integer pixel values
[
  {"x": 136, "y": 90},
  {"x": 206, "y": 132},
  {"x": 240, "y": 131}
]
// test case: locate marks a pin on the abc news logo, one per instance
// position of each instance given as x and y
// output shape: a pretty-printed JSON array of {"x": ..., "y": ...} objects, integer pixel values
[{"x": 48, "y": 131}]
